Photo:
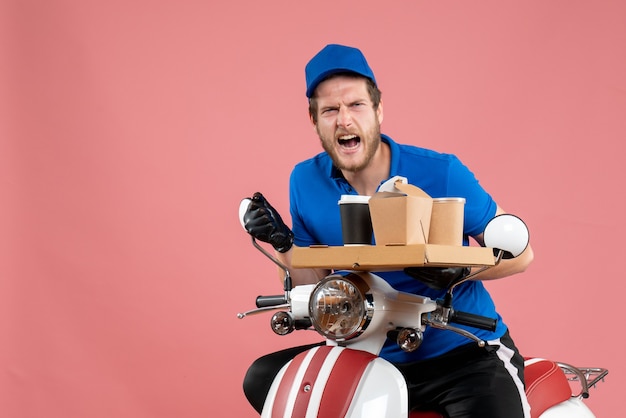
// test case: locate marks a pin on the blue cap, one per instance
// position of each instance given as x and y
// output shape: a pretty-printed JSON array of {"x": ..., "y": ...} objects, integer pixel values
[{"x": 335, "y": 59}]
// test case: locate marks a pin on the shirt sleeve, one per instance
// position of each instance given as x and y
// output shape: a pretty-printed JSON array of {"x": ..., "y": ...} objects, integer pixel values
[
  {"x": 480, "y": 207},
  {"x": 302, "y": 237}
]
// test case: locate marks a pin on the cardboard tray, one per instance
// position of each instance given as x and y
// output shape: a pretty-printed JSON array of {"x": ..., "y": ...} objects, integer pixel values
[{"x": 388, "y": 257}]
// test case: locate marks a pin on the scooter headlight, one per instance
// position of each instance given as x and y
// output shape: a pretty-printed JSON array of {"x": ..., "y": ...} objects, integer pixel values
[{"x": 340, "y": 308}]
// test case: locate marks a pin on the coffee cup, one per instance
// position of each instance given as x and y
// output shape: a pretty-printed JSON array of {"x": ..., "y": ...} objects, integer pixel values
[{"x": 356, "y": 222}]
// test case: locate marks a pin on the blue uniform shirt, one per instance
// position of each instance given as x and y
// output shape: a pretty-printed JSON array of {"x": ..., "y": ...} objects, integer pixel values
[{"x": 316, "y": 186}]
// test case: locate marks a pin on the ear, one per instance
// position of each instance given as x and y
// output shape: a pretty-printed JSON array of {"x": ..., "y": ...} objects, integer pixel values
[
  {"x": 312, "y": 122},
  {"x": 379, "y": 112}
]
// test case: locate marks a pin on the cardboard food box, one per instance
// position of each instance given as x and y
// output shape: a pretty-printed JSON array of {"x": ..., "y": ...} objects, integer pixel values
[
  {"x": 401, "y": 218},
  {"x": 388, "y": 258}
]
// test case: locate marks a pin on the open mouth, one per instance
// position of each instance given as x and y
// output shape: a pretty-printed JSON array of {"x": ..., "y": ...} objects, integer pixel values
[{"x": 349, "y": 141}]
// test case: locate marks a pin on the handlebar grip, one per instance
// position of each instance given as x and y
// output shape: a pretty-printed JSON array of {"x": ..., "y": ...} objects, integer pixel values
[
  {"x": 267, "y": 301},
  {"x": 473, "y": 320}
]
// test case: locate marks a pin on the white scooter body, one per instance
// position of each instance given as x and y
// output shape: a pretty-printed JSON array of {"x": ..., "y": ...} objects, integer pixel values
[
  {"x": 353, "y": 382},
  {"x": 573, "y": 407}
]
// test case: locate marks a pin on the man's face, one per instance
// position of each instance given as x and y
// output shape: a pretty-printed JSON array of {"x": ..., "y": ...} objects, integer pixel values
[{"x": 347, "y": 123}]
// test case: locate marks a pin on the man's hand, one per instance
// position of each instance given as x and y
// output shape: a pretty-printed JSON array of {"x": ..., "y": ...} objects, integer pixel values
[
  {"x": 437, "y": 278},
  {"x": 265, "y": 224}
]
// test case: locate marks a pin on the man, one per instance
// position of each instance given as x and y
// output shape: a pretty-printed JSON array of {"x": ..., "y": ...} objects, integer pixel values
[{"x": 448, "y": 373}]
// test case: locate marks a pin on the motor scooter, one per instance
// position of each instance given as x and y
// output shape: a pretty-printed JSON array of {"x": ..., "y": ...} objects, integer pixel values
[{"x": 357, "y": 311}]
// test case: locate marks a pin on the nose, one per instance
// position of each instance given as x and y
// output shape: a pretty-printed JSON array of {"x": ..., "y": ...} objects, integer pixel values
[{"x": 343, "y": 116}]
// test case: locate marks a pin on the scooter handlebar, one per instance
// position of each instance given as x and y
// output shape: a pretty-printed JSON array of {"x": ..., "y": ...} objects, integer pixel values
[
  {"x": 268, "y": 301},
  {"x": 473, "y": 320}
]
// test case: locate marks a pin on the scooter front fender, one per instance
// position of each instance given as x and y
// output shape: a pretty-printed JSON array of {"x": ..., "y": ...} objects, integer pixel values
[{"x": 336, "y": 382}]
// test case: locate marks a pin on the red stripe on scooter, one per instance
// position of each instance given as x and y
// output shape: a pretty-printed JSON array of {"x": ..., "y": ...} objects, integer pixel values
[
  {"x": 282, "y": 394},
  {"x": 288, "y": 381},
  {"x": 303, "y": 398},
  {"x": 342, "y": 382}
]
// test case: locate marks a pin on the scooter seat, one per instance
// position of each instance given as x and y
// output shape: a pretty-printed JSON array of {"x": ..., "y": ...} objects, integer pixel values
[{"x": 546, "y": 385}]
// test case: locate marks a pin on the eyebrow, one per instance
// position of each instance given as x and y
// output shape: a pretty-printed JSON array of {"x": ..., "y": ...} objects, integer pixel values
[{"x": 350, "y": 103}]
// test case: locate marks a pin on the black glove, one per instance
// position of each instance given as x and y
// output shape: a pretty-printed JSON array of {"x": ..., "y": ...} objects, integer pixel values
[
  {"x": 265, "y": 224},
  {"x": 437, "y": 278}
]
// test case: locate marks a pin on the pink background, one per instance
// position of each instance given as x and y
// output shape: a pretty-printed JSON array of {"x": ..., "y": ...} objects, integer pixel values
[{"x": 130, "y": 131}]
